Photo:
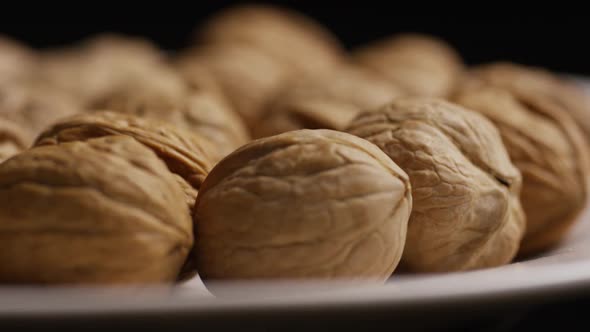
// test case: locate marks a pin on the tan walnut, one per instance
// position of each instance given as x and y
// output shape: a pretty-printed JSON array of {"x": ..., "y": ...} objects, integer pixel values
[
  {"x": 102, "y": 211},
  {"x": 202, "y": 112},
  {"x": 187, "y": 155},
  {"x": 547, "y": 147},
  {"x": 327, "y": 101},
  {"x": 523, "y": 79},
  {"x": 17, "y": 62},
  {"x": 12, "y": 139},
  {"x": 466, "y": 212},
  {"x": 288, "y": 36},
  {"x": 303, "y": 204},
  {"x": 421, "y": 65}
]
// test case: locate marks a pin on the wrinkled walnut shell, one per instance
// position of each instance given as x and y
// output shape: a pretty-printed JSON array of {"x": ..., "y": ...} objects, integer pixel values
[
  {"x": 294, "y": 39},
  {"x": 420, "y": 65},
  {"x": 304, "y": 204},
  {"x": 328, "y": 101},
  {"x": 102, "y": 211},
  {"x": 185, "y": 154},
  {"x": 550, "y": 151},
  {"x": 466, "y": 212}
]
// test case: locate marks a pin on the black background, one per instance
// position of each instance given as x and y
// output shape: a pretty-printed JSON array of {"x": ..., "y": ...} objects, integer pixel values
[{"x": 558, "y": 41}]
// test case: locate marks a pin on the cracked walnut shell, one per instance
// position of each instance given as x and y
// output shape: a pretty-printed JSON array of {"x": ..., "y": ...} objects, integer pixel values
[
  {"x": 550, "y": 151},
  {"x": 466, "y": 212},
  {"x": 303, "y": 204},
  {"x": 102, "y": 211}
]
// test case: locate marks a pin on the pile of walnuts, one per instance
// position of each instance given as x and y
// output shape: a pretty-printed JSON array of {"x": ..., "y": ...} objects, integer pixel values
[{"x": 266, "y": 151}]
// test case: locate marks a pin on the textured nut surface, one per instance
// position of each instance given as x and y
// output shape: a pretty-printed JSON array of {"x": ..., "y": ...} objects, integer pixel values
[
  {"x": 328, "y": 101},
  {"x": 33, "y": 106},
  {"x": 548, "y": 148},
  {"x": 288, "y": 36},
  {"x": 102, "y": 211},
  {"x": 421, "y": 65},
  {"x": 12, "y": 139},
  {"x": 202, "y": 112},
  {"x": 185, "y": 154},
  {"x": 247, "y": 77},
  {"x": 304, "y": 204},
  {"x": 466, "y": 213},
  {"x": 533, "y": 80}
]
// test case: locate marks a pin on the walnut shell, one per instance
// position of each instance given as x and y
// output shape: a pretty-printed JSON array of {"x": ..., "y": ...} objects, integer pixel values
[
  {"x": 286, "y": 35},
  {"x": 16, "y": 61},
  {"x": 34, "y": 106},
  {"x": 328, "y": 101},
  {"x": 466, "y": 212},
  {"x": 420, "y": 65},
  {"x": 559, "y": 90},
  {"x": 548, "y": 148},
  {"x": 200, "y": 112},
  {"x": 247, "y": 77},
  {"x": 185, "y": 154},
  {"x": 12, "y": 139},
  {"x": 102, "y": 211},
  {"x": 303, "y": 204}
]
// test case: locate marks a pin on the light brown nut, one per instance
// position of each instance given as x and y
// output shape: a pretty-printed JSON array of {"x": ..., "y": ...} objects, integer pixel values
[
  {"x": 421, "y": 65},
  {"x": 17, "y": 62},
  {"x": 519, "y": 78},
  {"x": 466, "y": 212},
  {"x": 304, "y": 204},
  {"x": 294, "y": 39},
  {"x": 97, "y": 65},
  {"x": 102, "y": 211},
  {"x": 185, "y": 154},
  {"x": 12, "y": 139},
  {"x": 34, "y": 106},
  {"x": 247, "y": 77},
  {"x": 328, "y": 101},
  {"x": 201, "y": 112},
  {"x": 548, "y": 148}
]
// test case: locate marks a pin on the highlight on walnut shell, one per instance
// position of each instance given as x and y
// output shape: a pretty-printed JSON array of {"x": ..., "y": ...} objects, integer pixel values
[
  {"x": 466, "y": 211},
  {"x": 549, "y": 149},
  {"x": 201, "y": 112},
  {"x": 303, "y": 204},
  {"x": 295, "y": 40},
  {"x": 34, "y": 106},
  {"x": 421, "y": 65},
  {"x": 187, "y": 155},
  {"x": 12, "y": 139},
  {"x": 102, "y": 211},
  {"x": 327, "y": 101},
  {"x": 247, "y": 77},
  {"x": 560, "y": 90}
]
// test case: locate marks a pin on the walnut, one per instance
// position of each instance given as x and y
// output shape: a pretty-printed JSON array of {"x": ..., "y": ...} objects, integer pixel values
[
  {"x": 34, "y": 106},
  {"x": 102, "y": 211},
  {"x": 328, "y": 101},
  {"x": 16, "y": 61},
  {"x": 547, "y": 147},
  {"x": 185, "y": 154},
  {"x": 247, "y": 77},
  {"x": 201, "y": 112},
  {"x": 421, "y": 65},
  {"x": 294, "y": 39},
  {"x": 533, "y": 80},
  {"x": 466, "y": 212},
  {"x": 12, "y": 139},
  {"x": 303, "y": 204}
]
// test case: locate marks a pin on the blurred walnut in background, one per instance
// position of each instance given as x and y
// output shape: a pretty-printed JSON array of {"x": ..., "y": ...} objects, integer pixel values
[
  {"x": 297, "y": 41},
  {"x": 102, "y": 211},
  {"x": 466, "y": 212},
  {"x": 12, "y": 139},
  {"x": 420, "y": 65},
  {"x": 546, "y": 145},
  {"x": 327, "y": 101},
  {"x": 17, "y": 62},
  {"x": 303, "y": 204}
]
